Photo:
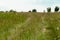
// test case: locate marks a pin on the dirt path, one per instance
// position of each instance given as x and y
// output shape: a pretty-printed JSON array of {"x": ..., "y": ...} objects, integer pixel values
[
  {"x": 43, "y": 26},
  {"x": 14, "y": 32}
]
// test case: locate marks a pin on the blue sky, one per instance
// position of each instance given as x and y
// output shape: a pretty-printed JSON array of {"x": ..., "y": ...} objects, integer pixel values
[{"x": 26, "y": 5}]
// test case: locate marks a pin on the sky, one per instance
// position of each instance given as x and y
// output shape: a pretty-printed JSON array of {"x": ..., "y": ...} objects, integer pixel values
[{"x": 26, "y": 5}]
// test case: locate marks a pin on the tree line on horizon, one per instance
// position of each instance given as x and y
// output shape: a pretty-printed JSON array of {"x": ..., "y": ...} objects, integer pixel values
[{"x": 56, "y": 9}]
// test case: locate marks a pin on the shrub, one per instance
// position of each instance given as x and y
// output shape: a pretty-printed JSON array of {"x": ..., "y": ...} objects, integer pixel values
[
  {"x": 48, "y": 9},
  {"x": 29, "y": 11},
  {"x": 34, "y": 10},
  {"x": 1, "y": 11},
  {"x": 6, "y": 11},
  {"x": 56, "y": 9},
  {"x": 12, "y": 11}
]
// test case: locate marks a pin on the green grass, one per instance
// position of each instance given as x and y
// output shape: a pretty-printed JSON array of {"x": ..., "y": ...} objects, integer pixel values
[{"x": 29, "y": 26}]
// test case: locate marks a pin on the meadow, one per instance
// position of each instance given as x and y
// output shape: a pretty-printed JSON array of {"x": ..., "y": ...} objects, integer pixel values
[{"x": 29, "y": 26}]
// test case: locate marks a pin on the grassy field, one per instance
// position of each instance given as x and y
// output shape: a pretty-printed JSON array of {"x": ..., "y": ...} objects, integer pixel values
[{"x": 29, "y": 26}]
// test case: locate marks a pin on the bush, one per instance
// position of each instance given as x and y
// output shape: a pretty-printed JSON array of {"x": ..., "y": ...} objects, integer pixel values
[
  {"x": 56, "y": 9},
  {"x": 34, "y": 10},
  {"x": 1, "y": 11},
  {"x": 48, "y": 9},
  {"x": 6, "y": 11},
  {"x": 29, "y": 11},
  {"x": 12, "y": 11}
]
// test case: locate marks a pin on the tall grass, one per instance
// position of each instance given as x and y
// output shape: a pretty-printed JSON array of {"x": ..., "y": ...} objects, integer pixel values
[{"x": 29, "y": 26}]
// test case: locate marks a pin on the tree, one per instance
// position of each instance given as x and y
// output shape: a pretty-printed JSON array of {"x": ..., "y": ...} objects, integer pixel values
[
  {"x": 48, "y": 9},
  {"x": 12, "y": 11},
  {"x": 6, "y": 11},
  {"x": 56, "y": 9},
  {"x": 1, "y": 11},
  {"x": 29, "y": 11},
  {"x": 34, "y": 10}
]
